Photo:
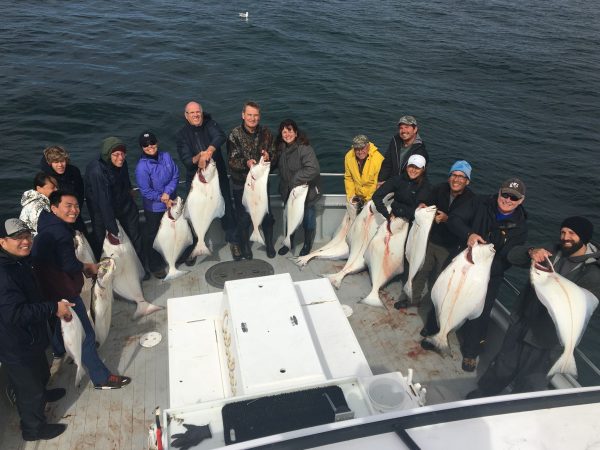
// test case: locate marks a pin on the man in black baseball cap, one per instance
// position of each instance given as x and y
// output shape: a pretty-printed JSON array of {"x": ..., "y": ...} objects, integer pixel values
[
  {"x": 531, "y": 345},
  {"x": 24, "y": 316}
]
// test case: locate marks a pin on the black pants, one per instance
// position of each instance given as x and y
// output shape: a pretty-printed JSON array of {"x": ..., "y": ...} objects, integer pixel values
[
  {"x": 474, "y": 331},
  {"x": 228, "y": 221},
  {"x": 155, "y": 261},
  {"x": 129, "y": 218},
  {"x": 519, "y": 363},
  {"x": 243, "y": 218},
  {"x": 29, "y": 383}
]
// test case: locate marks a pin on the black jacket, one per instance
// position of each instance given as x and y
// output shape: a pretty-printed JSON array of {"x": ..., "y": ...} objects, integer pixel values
[
  {"x": 24, "y": 313},
  {"x": 540, "y": 330},
  {"x": 393, "y": 164},
  {"x": 191, "y": 140},
  {"x": 440, "y": 197},
  {"x": 407, "y": 196},
  {"x": 108, "y": 191},
  {"x": 478, "y": 215},
  {"x": 298, "y": 165}
]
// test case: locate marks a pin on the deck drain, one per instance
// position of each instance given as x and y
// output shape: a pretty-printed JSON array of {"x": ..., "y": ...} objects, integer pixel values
[{"x": 218, "y": 274}]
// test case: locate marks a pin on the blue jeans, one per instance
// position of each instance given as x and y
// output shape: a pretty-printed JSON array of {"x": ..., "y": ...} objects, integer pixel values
[
  {"x": 309, "y": 222},
  {"x": 89, "y": 355}
]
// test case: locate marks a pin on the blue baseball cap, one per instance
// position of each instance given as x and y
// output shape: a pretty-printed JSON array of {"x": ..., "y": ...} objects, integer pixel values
[{"x": 461, "y": 166}]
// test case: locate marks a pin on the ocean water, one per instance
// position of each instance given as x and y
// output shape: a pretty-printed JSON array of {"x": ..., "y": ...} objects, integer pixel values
[{"x": 511, "y": 86}]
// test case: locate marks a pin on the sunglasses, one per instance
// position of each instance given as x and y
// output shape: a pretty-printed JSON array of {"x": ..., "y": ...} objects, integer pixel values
[
  {"x": 512, "y": 197},
  {"x": 148, "y": 144}
]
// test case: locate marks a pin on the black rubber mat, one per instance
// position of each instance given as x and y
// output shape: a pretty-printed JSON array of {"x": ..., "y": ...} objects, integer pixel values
[
  {"x": 251, "y": 419},
  {"x": 218, "y": 274}
]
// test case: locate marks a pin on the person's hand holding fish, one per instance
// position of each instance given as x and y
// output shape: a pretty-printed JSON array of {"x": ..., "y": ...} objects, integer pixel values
[
  {"x": 473, "y": 239},
  {"x": 539, "y": 255},
  {"x": 63, "y": 310}
]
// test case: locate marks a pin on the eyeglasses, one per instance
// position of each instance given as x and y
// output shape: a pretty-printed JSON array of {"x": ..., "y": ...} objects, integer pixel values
[
  {"x": 512, "y": 197},
  {"x": 22, "y": 237},
  {"x": 458, "y": 176},
  {"x": 148, "y": 144}
]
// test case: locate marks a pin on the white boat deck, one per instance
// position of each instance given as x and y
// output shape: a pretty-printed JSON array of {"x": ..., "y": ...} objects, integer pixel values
[{"x": 119, "y": 419}]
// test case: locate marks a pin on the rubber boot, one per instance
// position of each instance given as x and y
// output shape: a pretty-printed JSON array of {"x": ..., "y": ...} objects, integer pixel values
[
  {"x": 245, "y": 244},
  {"x": 267, "y": 228},
  {"x": 309, "y": 238},
  {"x": 284, "y": 250}
]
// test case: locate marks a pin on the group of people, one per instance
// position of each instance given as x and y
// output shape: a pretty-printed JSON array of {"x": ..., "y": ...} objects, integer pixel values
[
  {"x": 464, "y": 219},
  {"x": 31, "y": 290}
]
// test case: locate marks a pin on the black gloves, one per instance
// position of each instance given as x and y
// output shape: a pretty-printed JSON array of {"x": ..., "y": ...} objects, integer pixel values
[{"x": 193, "y": 435}]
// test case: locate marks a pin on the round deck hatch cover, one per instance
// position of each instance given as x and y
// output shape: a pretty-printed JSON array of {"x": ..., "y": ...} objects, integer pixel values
[
  {"x": 218, "y": 274},
  {"x": 150, "y": 339}
]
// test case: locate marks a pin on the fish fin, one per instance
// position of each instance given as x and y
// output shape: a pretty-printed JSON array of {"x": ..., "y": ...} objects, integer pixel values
[
  {"x": 565, "y": 364},
  {"x": 301, "y": 261},
  {"x": 144, "y": 309},
  {"x": 256, "y": 237},
  {"x": 174, "y": 273},
  {"x": 287, "y": 242},
  {"x": 440, "y": 342},
  {"x": 372, "y": 300}
]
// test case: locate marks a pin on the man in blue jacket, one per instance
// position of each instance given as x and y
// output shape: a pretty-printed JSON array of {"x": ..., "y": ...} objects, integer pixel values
[
  {"x": 24, "y": 316},
  {"x": 199, "y": 141},
  {"x": 109, "y": 197},
  {"x": 60, "y": 275}
]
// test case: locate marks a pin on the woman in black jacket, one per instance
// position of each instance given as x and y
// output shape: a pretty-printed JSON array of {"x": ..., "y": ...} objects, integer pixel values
[{"x": 298, "y": 165}]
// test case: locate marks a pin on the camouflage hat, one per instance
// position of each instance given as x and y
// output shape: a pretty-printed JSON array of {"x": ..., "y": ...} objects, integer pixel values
[
  {"x": 513, "y": 186},
  {"x": 13, "y": 227},
  {"x": 408, "y": 120},
  {"x": 360, "y": 141}
]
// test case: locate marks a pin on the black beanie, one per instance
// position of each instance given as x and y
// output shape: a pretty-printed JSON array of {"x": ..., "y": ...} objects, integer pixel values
[{"x": 581, "y": 226}]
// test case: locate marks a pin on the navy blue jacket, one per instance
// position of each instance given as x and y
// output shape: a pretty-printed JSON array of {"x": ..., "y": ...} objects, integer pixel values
[
  {"x": 408, "y": 194},
  {"x": 70, "y": 181},
  {"x": 191, "y": 140},
  {"x": 154, "y": 177},
  {"x": 24, "y": 313},
  {"x": 56, "y": 267},
  {"x": 107, "y": 190}
]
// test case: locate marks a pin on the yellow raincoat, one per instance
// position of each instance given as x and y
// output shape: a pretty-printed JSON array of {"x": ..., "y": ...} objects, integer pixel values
[{"x": 366, "y": 184}]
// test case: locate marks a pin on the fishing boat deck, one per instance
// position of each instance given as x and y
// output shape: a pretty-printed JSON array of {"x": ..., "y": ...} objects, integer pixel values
[{"x": 119, "y": 419}]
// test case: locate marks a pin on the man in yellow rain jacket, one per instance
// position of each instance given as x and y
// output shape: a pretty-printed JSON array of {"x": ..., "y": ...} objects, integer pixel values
[{"x": 362, "y": 164}]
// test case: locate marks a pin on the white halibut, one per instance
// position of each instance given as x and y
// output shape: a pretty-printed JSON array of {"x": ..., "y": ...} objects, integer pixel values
[
  {"x": 416, "y": 244},
  {"x": 459, "y": 292},
  {"x": 385, "y": 257},
  {"x": 84, "y": 253},
  {"x": 128, "y": 273},
  {"x": 294, "y": 212},
  {"x": 73, "y": 336},
  {"x": 256, "y": 197},
  {"x": 361, "y": 232},
  {"x": 102, "y": 299},
  {"x": 204, "y": 204},
  {"x": 337, "y": 247},
  {"x": 570, "y": 307},
  {"x": 173, "y": 237}
]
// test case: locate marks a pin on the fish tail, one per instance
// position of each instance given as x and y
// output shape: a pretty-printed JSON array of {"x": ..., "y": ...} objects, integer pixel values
[
  {"x": 440, "y": 342},
  {"x": 287, "y": 242},
  {"x": 302, "y": 261},
  {"x": 408, "y": 288},
  {"x": 174, "y": 273},
  {"x": 200, "y": 249},
  {"x": 565, "y": 364},
  {"x": 79, "y": 374},
  {"x": 144, "y": 309},
  {"x": 373, "y": 299},
  {"x": 335, "y": 279},
  {"x": 256, "y": 237}
]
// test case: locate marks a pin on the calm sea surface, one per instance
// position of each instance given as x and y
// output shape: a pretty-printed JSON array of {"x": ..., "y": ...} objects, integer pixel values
[{"x": 511, "y": 86}]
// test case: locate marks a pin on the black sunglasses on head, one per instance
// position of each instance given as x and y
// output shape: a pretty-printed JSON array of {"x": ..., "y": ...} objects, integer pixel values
[{"x": 513, "y": 197}]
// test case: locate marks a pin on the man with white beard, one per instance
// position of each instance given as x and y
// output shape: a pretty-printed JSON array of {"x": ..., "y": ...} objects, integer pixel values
[{"x": 531, "y": 344}]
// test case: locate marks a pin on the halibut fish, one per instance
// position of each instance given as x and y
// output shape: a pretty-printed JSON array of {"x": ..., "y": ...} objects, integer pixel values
[
  {"x": 338, "y": 247},
  {"x": 385, "y": 257},
  {"x": 256, "y": 196},
  {"x": 416, "y": 244},
  {"x": 73, "y": 336},
  {"x": 102, "y": 299},
  {"x": 84, "y": 253},
  {"x": 204, "y": 203},
  {"x": 570, "y": 307},
  {"x": 459, "y": 292},
  {"x": 173, "y": 237},
  {"x": 294, "y": 212},
  {"x": 361, "y": 232},
  {"x": 128, "y": 273}
]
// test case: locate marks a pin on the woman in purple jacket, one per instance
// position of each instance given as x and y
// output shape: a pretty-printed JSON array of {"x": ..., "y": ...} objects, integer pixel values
[{"x": 157, "y": 176}]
